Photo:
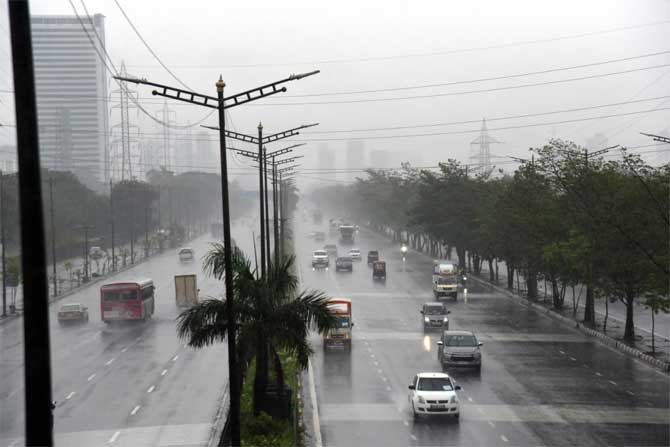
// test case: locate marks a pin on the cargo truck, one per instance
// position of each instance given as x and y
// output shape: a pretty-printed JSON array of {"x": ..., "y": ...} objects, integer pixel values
[
  {"x": 186, "y": 290},
  {"x": 340, "y": 335}
]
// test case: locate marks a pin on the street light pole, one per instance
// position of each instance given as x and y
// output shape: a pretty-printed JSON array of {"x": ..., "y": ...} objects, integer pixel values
[
  {"x": 234, "y": 383},
  {"x": 2, "y": 235},
  {"x": 274, "y": 210},
  {"x": 261, "y": 197},
  {"x": 264, "y": 163},
  {"x": 53, "y": 233},
  {"x": 111, "y": 223}
]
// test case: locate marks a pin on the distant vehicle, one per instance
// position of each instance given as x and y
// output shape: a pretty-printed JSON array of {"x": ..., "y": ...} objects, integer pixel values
[
  {"x": 379, "y": 271},
  {"x": 96, "y": 252},
  {"x": 459, "y": 348},
  {"x": 341, "y": 334},
  {"x": 320, "y": 259},
  {"x": 435, "y": 316},
  {"x": 319, "y": 236},
  {"x": 331, "y": 249},
  {"x": 317, "y": 217},
  {"x": 373, "y": 255},
  {"x": 344, "y": 263},
  {"x": 355, "y": 254},
  {"x": 72, "y": 312},
  {"x": 445, "y": 279},
  {"x": 186, "y": 290},
  {"x": 347, "y": 234},
  {"x": 433, "y": 394},
  {"x": 132, "y": 300},
  {"x": 186, "y": 254}
]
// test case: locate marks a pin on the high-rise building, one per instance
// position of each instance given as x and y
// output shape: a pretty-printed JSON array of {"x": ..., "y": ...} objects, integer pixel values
[{"x": 72, "y": 102}]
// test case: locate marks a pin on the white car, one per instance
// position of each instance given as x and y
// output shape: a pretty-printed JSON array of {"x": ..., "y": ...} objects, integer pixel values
[
  {"x": 434, "y": 393},
  {"x": 320, "y": 259},
  {"x": 355, "y": 254},
  {"x": 186, "y": 254}
]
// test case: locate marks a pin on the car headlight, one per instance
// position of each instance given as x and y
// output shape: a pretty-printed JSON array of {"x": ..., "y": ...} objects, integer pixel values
[
  {"x": 426, "y": 319},
  {"x": 446, "y": 320},
  {"x": 453, "y": 399},
  {"x": 421, "y": 400}
]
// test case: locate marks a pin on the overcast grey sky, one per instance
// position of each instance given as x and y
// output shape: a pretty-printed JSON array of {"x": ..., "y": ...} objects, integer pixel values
[{"x": 370, "y": 45}]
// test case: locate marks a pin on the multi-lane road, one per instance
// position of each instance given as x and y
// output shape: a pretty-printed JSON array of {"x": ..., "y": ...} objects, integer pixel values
[
  {"x": 124, "y": 384},
  {"x": 541, "y": 383}
]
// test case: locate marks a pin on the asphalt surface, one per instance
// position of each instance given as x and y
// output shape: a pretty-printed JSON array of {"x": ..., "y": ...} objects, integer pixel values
[
  {"x": 128, "y": 384},
  {"x": 541, "y": 383}
]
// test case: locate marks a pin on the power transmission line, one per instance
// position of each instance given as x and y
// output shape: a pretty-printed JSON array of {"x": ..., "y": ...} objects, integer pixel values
[
  {"x": 472, "y": 81},
  {"x": 467, "y": 92}
]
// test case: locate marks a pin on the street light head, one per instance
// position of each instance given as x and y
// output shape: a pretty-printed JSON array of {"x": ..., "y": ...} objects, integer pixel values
[
  {"x": 295, "y": 77},
  {"x": 260, "y": 126},
  {"x": 220, "y": 84}
]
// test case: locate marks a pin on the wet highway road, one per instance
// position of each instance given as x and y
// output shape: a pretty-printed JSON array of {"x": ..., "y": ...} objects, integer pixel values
[
  {"x": 541, "y": 383},
  {"x": 125, "y": 384}
]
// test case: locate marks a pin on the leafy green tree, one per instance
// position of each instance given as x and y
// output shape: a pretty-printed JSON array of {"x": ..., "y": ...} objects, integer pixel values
[{"x": 271, "y": 317}]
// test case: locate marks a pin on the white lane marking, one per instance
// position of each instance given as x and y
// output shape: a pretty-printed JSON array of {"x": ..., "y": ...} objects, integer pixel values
[
  {"x": 379, "y": 371},
  {"x": 388, "y": 388},
  {"x": 91, "y": 377},
  {"x": 69, "y": 396},
  {"x": 598, "y": 374},
  {"x": 504, "y": 438},
  {"x": 573, "y": 359},
  {"x": 399, "y": 409},
  {"x": 110, "y": 362},
  {"x": 630, "y": 392},
  {"x": 163, "y": 372},
  {"x": 561, "y": 352},
  {"x": 185, "y": 345},
  {"x": 135, "y": 410},
  {"x": 384, "y": 378},
  {"x": 151, "y": 388},
  {"x": 492, "y": 424},
  {"x": 376, "y": 362},
  {"x": 114, "y": 437},
  {"x": 613, "y": 382},
  {"x": 470, "y": 398},
  {"x": 14, "y": 442},
  {"x": 315, "y": 409},
  {"x": 138, "y": 339},
  {"x": 413, "y": 437},
  {"x": 124, "y": 349},
  {"x": 174, "y": 359},
  {"x": 480, "y": 410},
  {"x": 406, "y": 423}
]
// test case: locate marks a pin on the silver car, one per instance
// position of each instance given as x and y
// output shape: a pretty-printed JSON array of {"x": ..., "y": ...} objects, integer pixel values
[
  {"x": 435, "y": 316},
  {"x": 459, "y": 348}
]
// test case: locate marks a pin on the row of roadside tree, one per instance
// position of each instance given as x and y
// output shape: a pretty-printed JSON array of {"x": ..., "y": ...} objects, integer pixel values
[{"x": 563, "y": 216}]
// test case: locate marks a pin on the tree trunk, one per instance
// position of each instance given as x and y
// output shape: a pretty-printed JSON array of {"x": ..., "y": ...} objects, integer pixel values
[
  {"x": 477, "y": 263},
  {"x": 261, "y": 377},
  {"x": 279, "y": 371},
  {"x": 653, "y": 332},
  {"x": 491, "y": 273},
  {"x": 589, "y": 306},
  {"x": 460, "y": 252},
  {"x": 497, "y": 277},
  {"x": 629, "y": 332},
  {"x": 607, "y": 314},
  {"x": 531, "y": 283},
  {"x": 510, "y": 276}
]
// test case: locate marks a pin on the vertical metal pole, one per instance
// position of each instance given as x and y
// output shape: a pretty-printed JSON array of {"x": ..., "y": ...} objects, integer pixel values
[
  {"x": 86, "y": 266},
  {"x": 261, "y": 195},
  {"x": 281, "y": 215},
  {"x": 234, "y": 382},
  {"x": 37, "y": 357},
  {"x": 2, "y": 236},
  {"x": 53, "y": 233},
  {"x": 146, "y": 231},
  {"x": 274, "y": 210},
  {"x": 111, "y": 223},
  {"x": 264, "y": 163}
]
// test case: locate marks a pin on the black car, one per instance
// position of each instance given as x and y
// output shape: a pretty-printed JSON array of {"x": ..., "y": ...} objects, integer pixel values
[
  {"x": 373, "y": 255},
  {"x": 344, "y": 263}
]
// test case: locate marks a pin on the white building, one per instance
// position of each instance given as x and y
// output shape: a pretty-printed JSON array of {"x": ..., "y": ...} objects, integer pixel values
[{"x": 72, "y": 101}]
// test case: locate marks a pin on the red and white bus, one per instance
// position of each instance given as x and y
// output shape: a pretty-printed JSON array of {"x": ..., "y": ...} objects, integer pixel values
[{"x": 132, "y": 300}]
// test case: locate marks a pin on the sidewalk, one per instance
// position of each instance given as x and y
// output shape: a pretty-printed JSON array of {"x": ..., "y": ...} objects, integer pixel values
[{"x": 615, "y": 321}]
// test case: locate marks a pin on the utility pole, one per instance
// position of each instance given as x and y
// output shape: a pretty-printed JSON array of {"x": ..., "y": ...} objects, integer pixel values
[
  {"x": 146, "y": 231},
  {"x": 274, "y": 210},
  {"x": 221, "y": 103},
  {"x": 36, "y": 348},
  {"x": 111, "y": 222},
  {"x": 2, "y": 236},
  {"x": 86, "y": 264},
  {"x": 53, "y": 233},
  {"x": 267, "y": 212}
]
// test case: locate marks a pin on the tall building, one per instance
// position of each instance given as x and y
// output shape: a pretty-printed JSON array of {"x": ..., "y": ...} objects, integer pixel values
[{"x": 72, "y": 101}]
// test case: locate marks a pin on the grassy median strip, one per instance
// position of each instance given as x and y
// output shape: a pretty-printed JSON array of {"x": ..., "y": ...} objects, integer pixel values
[{"x": 264, "y": 430}]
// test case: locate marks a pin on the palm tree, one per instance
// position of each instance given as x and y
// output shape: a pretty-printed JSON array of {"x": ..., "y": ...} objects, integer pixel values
[{"x": 271, "y": 315}]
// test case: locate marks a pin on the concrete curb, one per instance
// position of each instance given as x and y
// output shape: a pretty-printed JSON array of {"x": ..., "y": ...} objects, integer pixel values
[
  {"x": 603, "y": 338},
  {"x": 221, "y": 419}
]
